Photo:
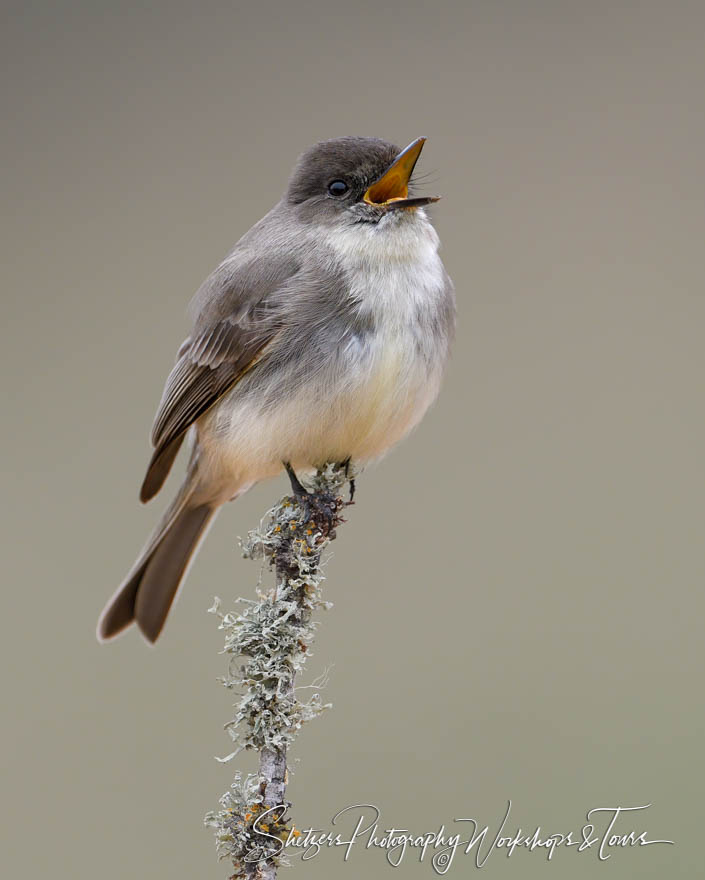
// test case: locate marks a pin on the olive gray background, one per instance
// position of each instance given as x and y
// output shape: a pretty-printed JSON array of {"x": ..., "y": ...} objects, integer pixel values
[{"x": 518, "y": 590}]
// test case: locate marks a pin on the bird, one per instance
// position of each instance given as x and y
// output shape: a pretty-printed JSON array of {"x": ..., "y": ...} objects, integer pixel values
[{"x": 322, "y": 337}]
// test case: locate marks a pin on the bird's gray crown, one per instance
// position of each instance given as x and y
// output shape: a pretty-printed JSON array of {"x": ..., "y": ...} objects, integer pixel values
[{"x": 357, "y": 161}]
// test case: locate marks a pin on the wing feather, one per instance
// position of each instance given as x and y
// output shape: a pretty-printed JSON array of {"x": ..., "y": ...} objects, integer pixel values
[{"x": 214, "y": 358}]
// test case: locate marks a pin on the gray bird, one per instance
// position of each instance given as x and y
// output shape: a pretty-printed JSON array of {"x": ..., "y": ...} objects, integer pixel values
[{"x": 321, "y": 337}]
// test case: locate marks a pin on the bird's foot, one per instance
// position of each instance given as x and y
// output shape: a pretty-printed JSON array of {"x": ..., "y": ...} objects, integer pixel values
[
  {"x": 296, "y": 486},
  {"x": 351, "y": 480},
  {"x": 318, "y": 509}
]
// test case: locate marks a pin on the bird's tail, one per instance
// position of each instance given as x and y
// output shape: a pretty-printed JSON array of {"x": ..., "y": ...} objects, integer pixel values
[{"x": 147, "y": 593}]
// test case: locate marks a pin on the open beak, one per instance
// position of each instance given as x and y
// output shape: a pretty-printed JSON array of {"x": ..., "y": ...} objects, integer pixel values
[{"x": 392, "y": 189}]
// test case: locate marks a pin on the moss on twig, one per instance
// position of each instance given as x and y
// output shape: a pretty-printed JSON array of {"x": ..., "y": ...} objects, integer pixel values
[{"x": 273, "y": 636}]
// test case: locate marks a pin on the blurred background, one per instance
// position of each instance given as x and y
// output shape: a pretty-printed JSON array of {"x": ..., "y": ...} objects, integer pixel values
[{"x": 518, "y": 590}]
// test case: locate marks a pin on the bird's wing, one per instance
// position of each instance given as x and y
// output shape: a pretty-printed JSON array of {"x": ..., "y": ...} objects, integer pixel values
[
  {"x": 236, "y": 324},
  {"x": 213, "y": 362}
]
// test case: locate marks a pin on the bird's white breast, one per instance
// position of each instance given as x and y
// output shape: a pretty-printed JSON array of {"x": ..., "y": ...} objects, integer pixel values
[
  {"x": 394, "y": 272},
  {"x": 382, "y": 382},
  {"x": 396, "y": 278}
]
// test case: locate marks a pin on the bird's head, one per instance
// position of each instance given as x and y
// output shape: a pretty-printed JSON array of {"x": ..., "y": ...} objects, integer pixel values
[{"x": 355, "y": 180}]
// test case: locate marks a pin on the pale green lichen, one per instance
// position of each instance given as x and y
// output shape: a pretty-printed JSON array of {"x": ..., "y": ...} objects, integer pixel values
[
  {"x": 239, "y": 825},
  {"x": 268, "y": 643}
]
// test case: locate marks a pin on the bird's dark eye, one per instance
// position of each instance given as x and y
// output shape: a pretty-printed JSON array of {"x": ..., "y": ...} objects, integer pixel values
[{"x": 337, "y": 187}]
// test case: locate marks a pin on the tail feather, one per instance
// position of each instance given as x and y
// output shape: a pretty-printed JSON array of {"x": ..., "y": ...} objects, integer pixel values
[
  {"x": 148, "y": 592},
  {"x": 158, "y": 469},
  {"x": 167, "y": 567}
]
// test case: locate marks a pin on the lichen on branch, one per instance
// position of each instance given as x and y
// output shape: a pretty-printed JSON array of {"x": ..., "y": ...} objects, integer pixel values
[{"x": 268, "y": 643}]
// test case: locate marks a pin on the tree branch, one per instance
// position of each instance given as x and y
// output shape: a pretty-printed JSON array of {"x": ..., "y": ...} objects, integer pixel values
[{"x": 274, "y": 635}]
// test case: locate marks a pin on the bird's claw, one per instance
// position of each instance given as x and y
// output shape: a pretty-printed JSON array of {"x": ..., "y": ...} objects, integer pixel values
[
  {"x": 319, "y": 509},
  {"x": 351, "y": 480}
]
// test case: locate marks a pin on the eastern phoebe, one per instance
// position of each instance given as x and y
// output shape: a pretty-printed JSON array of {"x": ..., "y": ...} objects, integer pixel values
[{"x": 321, "y": 337}]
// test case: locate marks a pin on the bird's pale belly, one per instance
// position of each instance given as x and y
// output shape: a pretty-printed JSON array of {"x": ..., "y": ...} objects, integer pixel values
[{"x": 358, "y": 411}]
